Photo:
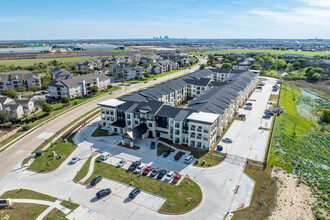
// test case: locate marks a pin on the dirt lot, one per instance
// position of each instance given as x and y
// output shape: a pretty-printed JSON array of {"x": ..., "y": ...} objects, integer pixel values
[
  {"x": 322, "y": 88},
  {"x": 293, "y": 201}
]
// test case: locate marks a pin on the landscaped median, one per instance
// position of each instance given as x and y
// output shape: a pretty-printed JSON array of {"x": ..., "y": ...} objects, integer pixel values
[{"x": 180, "y": 198}]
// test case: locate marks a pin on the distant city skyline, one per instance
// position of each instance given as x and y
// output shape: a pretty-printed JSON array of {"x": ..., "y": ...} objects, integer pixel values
[{"x": 124, "y": 19}]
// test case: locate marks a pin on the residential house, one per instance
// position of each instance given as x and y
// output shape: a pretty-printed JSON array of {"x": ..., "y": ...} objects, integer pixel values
[
  {"x": 77, "y": 86},
  {"x": 88, "y": 65},
  {"x": 16, "y": 108},
  {"x": 61, "y": 73},
  {"x": 14, "y": 79}
]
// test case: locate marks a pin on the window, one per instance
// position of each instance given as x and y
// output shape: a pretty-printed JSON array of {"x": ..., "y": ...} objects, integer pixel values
[
  {"x": 177, "y": 124},
  {"x": 177, "y": 132},
  {"x": 199, "y": 128},
  {"x": 199, "y": 144},
  {"x": 193, "y": 128},
  {"x": 177, "y": 140},
  {"x": 112, "y": 118},
  {"x": 128, "y": 116},
  {"x": 111, "y": 112},
  {"x": 150, "y": 124},
  {"x": 192, "y": 143},
  {"x": 136, "y": 122},
  {"x": 107, "y": 111},
  {"x": 128, "y": 122}
]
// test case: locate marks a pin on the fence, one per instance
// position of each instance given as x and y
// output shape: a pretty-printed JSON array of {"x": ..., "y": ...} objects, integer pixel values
[{"x": 10, "y": 133}]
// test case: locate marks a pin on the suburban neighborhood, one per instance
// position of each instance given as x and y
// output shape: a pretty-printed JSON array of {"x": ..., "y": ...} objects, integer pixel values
[{"x": 168, "y": 110}]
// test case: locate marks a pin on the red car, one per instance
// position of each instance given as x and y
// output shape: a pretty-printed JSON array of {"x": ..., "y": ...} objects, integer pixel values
[
  {"x": 147, "y": 170},
  {"x": 178, "y": 156},
  {"x": 241, "y": 116},
  {"x": 176, "y": 178}
]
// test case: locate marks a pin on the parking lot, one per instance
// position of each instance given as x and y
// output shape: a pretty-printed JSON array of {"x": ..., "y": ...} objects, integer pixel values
[{"x": 248, "y": 140}]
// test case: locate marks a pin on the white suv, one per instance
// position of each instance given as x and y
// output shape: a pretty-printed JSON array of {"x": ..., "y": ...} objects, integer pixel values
[{"x": 188, "y": 159}]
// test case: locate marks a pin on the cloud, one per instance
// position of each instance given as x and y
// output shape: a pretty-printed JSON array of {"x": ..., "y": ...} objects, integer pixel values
[{"x": 319, "y": 3}]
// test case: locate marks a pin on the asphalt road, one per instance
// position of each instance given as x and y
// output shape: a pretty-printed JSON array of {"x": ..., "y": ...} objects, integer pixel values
[{"x": 18, "y": 151}]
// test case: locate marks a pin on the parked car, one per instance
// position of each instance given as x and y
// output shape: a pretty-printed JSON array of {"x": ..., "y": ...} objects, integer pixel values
[
  {"x": 219, "y": 148},
  {"x": 269, "y": 113},
  {"x": 134, "y": 193},
  {"x": 178, "y": 155},
  {"x": 147, "y": 170},
  {"x": 153, "y": 145},
  {"x": 241, "y": 116},
  {"x": 176, "y": 179},
  {"x": 146, "y": 82},
  {"x": 105, "y": 156},
  {"x": 121, "y": 163},
  {"x": 110, "y": 93},
  {"x": 74, "y": 160},
  {"x": 249, "y": 104},
  {"x": 161, "y": 174},
  {"x": 155, "y": 78},
  {"x": 166, "y": 153},
  {"x": 139, "y": 169},
  {"x": 266, "y": 116},
  {"x": 248, "y": 107},
  {"x": 134, "y": 165},
  {"x": 104, "y": 192},
  {"x": 228, "y": 140},
  {"x": 154, "y": 172},
  {"x": 188, "y": 159},
  {"x": 96, "y": 180},
  {"x": 169, "y": 176}
]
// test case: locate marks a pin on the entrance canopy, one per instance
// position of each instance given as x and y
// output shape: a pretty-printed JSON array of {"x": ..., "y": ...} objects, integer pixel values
[{"x": 136, "y": 132}]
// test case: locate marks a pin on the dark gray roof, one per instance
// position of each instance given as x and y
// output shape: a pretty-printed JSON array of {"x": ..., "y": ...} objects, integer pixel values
[
  {"x": 182, "y": 115},
  {"x": 76, "y": 80},
  {"x": 120, "y": 124},
  {"x": 16, "y": 75},
  {"x": 168, "y": 111},
  {"x": 137, "y": 131},
  {"x": 198, "y": 82}
]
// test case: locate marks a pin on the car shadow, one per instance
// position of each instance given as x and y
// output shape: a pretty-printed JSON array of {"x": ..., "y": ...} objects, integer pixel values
[
  {"x": 127, "y": 200},
  {"x": 89, "y": 186},
  {"x": 95, "y": 199}
]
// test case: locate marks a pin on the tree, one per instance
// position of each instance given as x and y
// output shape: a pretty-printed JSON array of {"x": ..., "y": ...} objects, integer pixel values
[
  {"x": 34, "y": 88},
  {"x": 12, "y": 93},
  {"x": 226, "y": 66},
  {"x": 315, "y": 77},
  {"x": 65, "y": 100},
  {"x": 4, "y": 116},
  {"x": 137, "y": 77},
  {"x": 255, "y": 66},
  {"x": 21, "y": 88},
  {"x": 325, "y": 115},
  {"x": 122, "y": 80},
  {"x": 47, "y": 107},
  {"x": 146, "y": 75},
  {"x": 45, "y": 81},
  {"x": 94, "y": 89},
  {"x": 202, "y": 66},
  {"x": 39, "y": 102}
]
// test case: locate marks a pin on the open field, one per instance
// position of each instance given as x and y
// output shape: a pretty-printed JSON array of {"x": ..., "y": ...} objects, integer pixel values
[
  {"x": 322, "y": 88},
  {"x": 279, "y": 52},
  {"x": 22, "y": 211},
  {"x": 28, "y": 62},
  {"x": 27, "y": 194},
  {"x": 299, "y": 147},
  {"x": 184, "y": 196}
]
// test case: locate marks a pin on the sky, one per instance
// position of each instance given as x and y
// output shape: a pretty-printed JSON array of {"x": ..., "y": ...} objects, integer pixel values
[{"x": 123, "y": 19}]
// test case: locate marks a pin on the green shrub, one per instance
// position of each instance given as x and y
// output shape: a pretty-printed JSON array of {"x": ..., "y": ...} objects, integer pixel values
[{"x": 26, "y": 127}]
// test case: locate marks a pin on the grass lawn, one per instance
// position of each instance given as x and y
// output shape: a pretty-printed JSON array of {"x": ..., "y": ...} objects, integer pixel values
[
  {"x": 83, "y": 171},
  {"x": 27, "y": 194},
  {"x": 273, "y": 98},
  {"x": 55, "y": 214},
  {"x": 28, "y": 62},
  {"x": 45, "y": 163},
  {"x": 100, "y": 132},
  {"x": 183, "y": 197},
  {"x": 161, "y": 148},
  {"x": 22, "y": 211},
  {"x": 279, "y": 52},
  {"x": 71, "y": 206},
  {"x": 264, "y": 191}
]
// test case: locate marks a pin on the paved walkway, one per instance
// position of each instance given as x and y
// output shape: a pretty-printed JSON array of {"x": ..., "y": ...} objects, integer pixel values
[
  {"x": 90, "y": 170},
  {"x": 51, "y": 205}
]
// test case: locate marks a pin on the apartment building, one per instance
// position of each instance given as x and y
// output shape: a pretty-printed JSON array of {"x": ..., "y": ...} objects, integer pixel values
[
  {"x": 154, "y": 112},
  {"x": 13, "y": 79},
  {"x": 77, "y": 86}
]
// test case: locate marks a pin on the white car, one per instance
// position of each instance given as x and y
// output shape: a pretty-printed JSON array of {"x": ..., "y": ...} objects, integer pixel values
[
  {"x": 139, "y": 169},
  {"x": 74, "y": 160},
  {"x": 188, "y": 159},
  {"x": 121, "y": 163},
  {"x": 169, "y": 176}
]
